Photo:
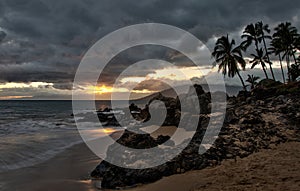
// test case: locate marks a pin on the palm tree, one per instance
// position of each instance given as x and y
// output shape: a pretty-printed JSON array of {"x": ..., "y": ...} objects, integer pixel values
[
  {"x": 252, "y": 80},
  {"x": 261, "y": 30},
  {"x": 287, "y": 36},
  {"x": 276, "y": 49},
  {"x": 252, "y": 35},
  {"x": 229, "y": 58},
  {"x": 259, "y": 58}
]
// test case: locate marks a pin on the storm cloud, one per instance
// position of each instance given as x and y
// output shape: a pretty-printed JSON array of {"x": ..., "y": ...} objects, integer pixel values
[{"x": 45, "y": 40}]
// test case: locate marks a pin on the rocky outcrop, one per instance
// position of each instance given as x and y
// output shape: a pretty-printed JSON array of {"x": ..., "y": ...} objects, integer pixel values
[
  {"x": 197, "y": 99},
  {"x": 173, "y": 106},
  {"x": 251, "y": 123},
  {"x": 109, "y": 117}
]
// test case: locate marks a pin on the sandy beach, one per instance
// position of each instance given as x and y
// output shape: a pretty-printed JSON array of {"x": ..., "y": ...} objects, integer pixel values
[{"x": 274, "y": 169}]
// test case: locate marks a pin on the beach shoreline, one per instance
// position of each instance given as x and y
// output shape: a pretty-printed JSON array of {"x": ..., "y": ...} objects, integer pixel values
[{"x": 69, "y": 171}]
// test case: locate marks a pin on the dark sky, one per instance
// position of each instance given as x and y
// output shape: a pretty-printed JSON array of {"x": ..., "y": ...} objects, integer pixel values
[{"x": 46, "y": 38}]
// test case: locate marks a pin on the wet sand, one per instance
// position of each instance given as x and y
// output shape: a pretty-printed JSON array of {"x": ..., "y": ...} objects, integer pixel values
[{"x": 68, "y": 170}]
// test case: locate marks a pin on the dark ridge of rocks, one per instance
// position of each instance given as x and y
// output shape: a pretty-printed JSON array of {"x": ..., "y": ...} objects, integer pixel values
[
  {"x": 109, "y": 118},
  {"x": 253, "y": 122},
  {"x": 173, "y": 106}
]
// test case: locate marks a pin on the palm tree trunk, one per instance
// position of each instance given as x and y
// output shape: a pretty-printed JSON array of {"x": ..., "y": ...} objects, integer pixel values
[
  {"x": 280, "y": 60},
  {"x": 264, "y": 69},
  {"x": 295, "y": 59},
  {"x": 267, "y": 54},
  {"x": 288, "y": 66},
  {"x": 265, "y": 72},
  {"x": 244, "y": 86}
]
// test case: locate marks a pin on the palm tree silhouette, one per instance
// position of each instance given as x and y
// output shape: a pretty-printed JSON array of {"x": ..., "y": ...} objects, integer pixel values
[
  {"x": 276, "y": 49},
  {"x": 252, "y": 80},
  {"x": 229, "y": 58},
  {"x": 287, "y": 36},
  {"x": 259, "y": 58},
  {"x": 252, "y": 35},
  {"x": 261, "y": 30}
]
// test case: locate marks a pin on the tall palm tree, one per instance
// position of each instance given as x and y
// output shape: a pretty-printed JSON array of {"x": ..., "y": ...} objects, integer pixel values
[
  {"x": 276, "y": 49},
  {"x": 259, "y": 58},
  {"x": 229, "y": 57},
  {"x": 252, "y": 35},
  {"x": 287, "y": 36},
  {"x": 261, "y": 30},
  {"x": 252, "y": 80}
]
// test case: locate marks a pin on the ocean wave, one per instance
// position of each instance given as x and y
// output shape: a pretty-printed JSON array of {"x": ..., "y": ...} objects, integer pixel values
[
  {"x": 30, "y": 158},
  {"x": 32, "y": 132}
]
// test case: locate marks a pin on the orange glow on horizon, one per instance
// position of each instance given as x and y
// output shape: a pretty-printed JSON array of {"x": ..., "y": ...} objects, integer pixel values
[
  {"x": 109, "y": 130},
  {"x": 109, "y": 89},
  {"x": 104, "y": 89},
  {"x": 99, "y": 132}
]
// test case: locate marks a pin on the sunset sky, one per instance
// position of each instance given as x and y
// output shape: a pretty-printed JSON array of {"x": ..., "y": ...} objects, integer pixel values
[{"x": 44, "y": 42}]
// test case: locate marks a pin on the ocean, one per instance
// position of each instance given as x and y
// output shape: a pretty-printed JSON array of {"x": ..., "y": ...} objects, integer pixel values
[{"x": 32, "y": 132}]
